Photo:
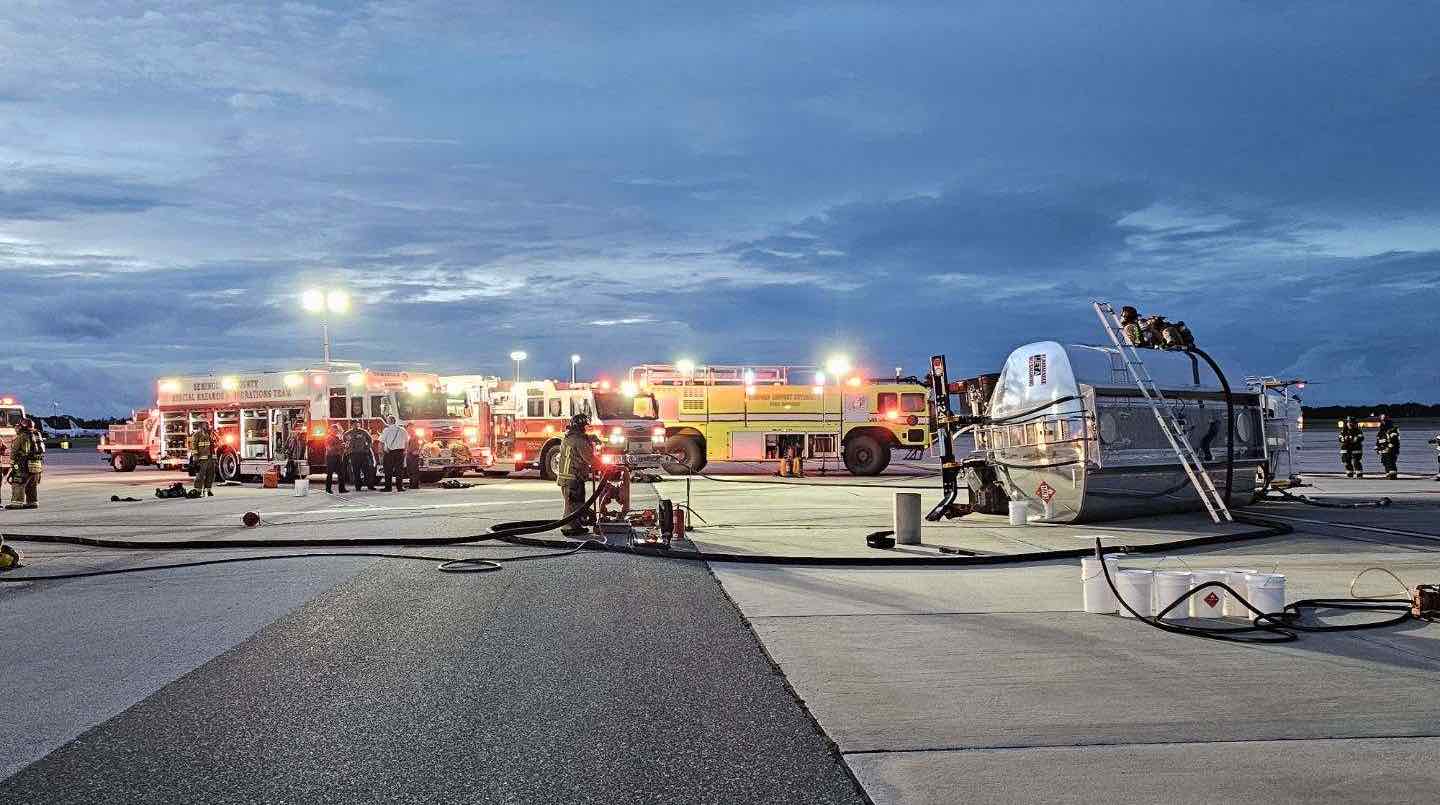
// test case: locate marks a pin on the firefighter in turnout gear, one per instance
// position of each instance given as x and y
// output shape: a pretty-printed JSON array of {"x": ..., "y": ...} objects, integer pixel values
[
  {"x": 577, "y": 458},
  {"x": 1130, "y": 323},
  {"x": 202, "y": 455},
  {"x": 361, "y": 451},
  {"x": 1352, "y": 448},
  {"x": 27, "y": 462},
  {"x": 1387, "y": 444}
]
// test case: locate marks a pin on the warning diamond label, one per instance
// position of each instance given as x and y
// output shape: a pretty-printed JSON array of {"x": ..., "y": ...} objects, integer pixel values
[
  {"x": 1211, "y": 598},
  {"x": 1045, "y": 491}
]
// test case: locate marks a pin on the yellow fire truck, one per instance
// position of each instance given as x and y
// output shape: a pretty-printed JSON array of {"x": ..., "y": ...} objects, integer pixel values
[{"x": 763, "y": 413}]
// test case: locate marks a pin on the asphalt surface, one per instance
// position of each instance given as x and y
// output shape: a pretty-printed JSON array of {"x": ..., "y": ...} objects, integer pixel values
[{"x": 591, "y": 678}]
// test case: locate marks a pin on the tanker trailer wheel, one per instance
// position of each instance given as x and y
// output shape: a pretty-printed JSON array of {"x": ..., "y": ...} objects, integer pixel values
[
  {"x": 123, "y": 462},
  {"x": 550, "y": 462},
  {"x": 227, "y": 466},
  {"x": 866, "y": 455},
  {"x": 686, "y": 452}
]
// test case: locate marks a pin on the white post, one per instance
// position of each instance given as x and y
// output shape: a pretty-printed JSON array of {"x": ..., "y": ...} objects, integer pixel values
[
  {"x": 907, "y": 518},
  {"x": 325, "y": 334}
]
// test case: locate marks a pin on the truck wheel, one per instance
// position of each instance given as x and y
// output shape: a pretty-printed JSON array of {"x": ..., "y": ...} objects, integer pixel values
[
  {"x": 123, "y": 462},
  {"x": 550, "y": 462},
  {"x": 866, "y": 455},
  {"x": 228, "y": 466},
  {"x": 687, "y": 451}
]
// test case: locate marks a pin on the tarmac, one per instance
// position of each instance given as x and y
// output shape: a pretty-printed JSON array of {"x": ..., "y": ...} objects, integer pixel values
[{"x": 614, "y": 678}]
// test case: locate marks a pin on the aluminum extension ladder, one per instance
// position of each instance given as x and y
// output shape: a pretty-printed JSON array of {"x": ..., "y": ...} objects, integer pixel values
[{"x": 1169, "y": 425}]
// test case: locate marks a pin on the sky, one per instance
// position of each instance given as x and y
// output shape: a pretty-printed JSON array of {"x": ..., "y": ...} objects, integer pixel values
[{"x": 734, "y": 183}]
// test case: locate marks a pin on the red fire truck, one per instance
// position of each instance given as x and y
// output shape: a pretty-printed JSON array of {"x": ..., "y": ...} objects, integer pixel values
[
  {"x": 11, "y": 412},
  {"x": 524, "y": 422},
  {"x": 255, "y": 414}
]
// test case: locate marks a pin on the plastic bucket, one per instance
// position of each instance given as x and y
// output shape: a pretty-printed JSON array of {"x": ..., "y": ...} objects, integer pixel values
[
  {"x": 1134, "y": 587},
  {"x": 1018, "y": 512},
  {"x": 1266, "y": 592},
  {"x": 1095, "y": 593},
  {"x": 1170, "y": 585},
  {"x": 302, "y": 487},
  {"x": 1235, "y": 577},
  {"x": 1208, "y": 603}
]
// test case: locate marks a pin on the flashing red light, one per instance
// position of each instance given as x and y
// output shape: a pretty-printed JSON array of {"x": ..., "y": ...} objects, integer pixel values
[
  {"x": 892, "y": 415},
  {"x": 318, "y": 380},
  {"x": 420, "y": 432},
  {"x": 607, "y": 459},
  {"x": 230, "y": 439},
  {"x": 320, "y": 431},
  {"x": 1300, "y": 385},
  {"x": 519, "y": 456},
  {"x": 604, "y": 385}
]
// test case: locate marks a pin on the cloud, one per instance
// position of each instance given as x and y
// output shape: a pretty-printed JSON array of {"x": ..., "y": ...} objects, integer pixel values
[{"x": 790, "y": 180}]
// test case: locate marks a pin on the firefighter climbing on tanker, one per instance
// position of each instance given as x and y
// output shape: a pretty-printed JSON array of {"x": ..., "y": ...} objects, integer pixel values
[
  {"x": 576, "y": 466},
  {"x": 1154, "y": 332}
]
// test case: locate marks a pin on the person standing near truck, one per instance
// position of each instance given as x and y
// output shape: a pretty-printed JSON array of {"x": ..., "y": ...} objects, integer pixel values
[
  {"x": 335, "y": 460},
  {"x": 412, "y": 456},
  {"x": 202, "y": 456},
  {"x": 577, "y": 458},
  {"x": 362, "y": 457},
  {"x": 27, "y": 462},
  {"x": 392, "y": 442}
]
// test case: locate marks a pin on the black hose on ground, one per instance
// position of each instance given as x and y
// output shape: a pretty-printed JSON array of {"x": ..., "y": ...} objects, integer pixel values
[{"x": 1330, "y": 504}]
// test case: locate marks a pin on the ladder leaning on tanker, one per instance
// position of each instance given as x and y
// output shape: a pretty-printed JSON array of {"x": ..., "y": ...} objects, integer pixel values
[{"x": 1172, "y": 429}]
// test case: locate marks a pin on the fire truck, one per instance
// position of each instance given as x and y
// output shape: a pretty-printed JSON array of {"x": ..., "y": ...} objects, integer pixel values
[
  {"x": 255, "y": 415},
  {"x": 763, "y": 413},
  {"x": 525, "y": 421},
  {"x": 11, "y": 412}
]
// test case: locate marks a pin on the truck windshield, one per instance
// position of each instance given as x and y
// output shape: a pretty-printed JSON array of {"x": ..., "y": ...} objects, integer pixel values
[
  {"x": 613, "y": 405},
  {"x": 431, "y": 406},
  {"x": 10, "y": 416}
]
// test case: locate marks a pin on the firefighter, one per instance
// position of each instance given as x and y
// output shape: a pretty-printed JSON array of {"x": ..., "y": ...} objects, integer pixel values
[
  {"x": 577, "y": 459},
  {"x": 393, "y": 440},
  {"x": 1154, "y": 327},
  {"x": 295, "y": 450},
  {"x": 1387, "y": 444},
  {"x": 27, "y": 462},
  {"x": 1352, "y": 448},
  {"x": 412, "y": 456},
  {"x": 202, "y": 457},
  {"x": 335, "y": 459},
  {"x": 361, "y": 451},
  {"x": 1130, "y": 325}
]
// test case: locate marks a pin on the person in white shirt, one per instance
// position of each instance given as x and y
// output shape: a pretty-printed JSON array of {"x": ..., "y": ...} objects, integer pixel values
[{"x": 392, "y": 441}]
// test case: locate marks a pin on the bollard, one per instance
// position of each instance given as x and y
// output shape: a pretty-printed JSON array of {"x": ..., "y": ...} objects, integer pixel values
[{"x": 907, "y": 518}]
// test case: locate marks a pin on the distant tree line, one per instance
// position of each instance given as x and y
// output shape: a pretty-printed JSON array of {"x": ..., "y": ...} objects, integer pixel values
[
  {"x": 1409, "y": 410},
  {"x": 63, "y": 421}
]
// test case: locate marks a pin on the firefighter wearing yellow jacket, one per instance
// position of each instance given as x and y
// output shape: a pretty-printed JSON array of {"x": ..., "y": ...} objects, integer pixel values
[
  {"x": 577, "y": 460},
  {"x": 27, "y": 463}
]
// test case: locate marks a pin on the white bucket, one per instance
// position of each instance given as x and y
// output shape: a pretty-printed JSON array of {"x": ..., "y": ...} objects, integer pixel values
[
  {"x": 1266, "y": 591},
  {"x": 1018, "y": 512},
  {"x": 1170, "y": 585},
  {"x": 1096, "y": 593},
  {"x": 302, "y": 487},
  {"x": 1235, "y": 577},
  {"x": 1134, "y": 587},
  {"x": 1208, "y": 603}
]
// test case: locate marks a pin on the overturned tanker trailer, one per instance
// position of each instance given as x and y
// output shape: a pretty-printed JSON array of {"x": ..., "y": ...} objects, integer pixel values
[{"x": 1067, "y": 431}]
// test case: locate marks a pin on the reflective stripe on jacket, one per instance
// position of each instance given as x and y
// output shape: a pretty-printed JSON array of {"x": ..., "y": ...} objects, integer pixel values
[{"x": 577, "y": 456}]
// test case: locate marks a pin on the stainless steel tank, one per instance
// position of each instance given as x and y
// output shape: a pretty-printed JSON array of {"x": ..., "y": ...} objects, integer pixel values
[{"x": 1073, "y": 437}]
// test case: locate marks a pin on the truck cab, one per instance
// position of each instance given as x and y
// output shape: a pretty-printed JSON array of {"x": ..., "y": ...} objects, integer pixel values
[{"x": 11, "y": 412}]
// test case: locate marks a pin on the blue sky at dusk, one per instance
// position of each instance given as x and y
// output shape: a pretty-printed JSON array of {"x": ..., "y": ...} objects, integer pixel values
[{"x": 737, "y": 183}]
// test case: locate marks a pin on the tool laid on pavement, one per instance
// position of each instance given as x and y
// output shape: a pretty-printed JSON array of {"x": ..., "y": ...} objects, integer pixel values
[{"x": 9, "y": 557}]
